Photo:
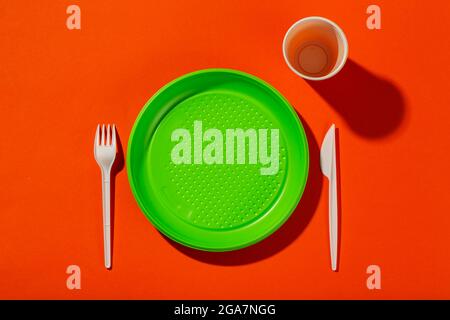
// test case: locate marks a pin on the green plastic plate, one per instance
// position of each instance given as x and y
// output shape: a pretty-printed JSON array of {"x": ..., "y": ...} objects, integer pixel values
[{"x": 217, "y": 160}]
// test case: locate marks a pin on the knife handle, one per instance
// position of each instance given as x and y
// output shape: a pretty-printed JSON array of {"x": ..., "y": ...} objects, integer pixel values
[{"x": 333, "y": 218}]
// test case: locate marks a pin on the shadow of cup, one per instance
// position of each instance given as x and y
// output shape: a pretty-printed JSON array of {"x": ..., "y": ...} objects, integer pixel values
[{"x": 372, "y": 106}]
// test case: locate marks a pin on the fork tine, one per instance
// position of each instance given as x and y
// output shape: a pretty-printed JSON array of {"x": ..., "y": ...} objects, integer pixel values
[
  {"x": 103, "y": 135},
  {"x": 108, "y": 135},
  {"x": 113, "y": 142},
  {"x": 97, "y": 136}
]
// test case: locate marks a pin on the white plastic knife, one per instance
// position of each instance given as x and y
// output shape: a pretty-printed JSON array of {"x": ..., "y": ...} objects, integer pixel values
[{"x": 328, "y": 166}]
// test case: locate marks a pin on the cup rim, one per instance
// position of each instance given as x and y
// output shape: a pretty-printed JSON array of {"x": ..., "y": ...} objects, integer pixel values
[{"x": 339, "y": 31}]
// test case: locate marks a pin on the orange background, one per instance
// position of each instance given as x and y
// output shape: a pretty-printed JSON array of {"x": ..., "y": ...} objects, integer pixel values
[{"x": 391, "y": 104}]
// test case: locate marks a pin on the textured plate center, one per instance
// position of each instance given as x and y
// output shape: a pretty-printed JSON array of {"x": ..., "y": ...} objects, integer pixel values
[{"x": 215, "y": 196}]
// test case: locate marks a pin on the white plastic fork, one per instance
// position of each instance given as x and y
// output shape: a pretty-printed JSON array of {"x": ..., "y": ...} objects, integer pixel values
[{"x": 105, "y": 154}]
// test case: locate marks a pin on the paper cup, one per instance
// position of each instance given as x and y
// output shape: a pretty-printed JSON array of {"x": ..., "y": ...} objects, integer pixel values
[{"x": 315, "y": 48}]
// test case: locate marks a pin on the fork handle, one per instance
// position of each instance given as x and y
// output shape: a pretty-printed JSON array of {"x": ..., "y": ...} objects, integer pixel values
[{"x": 106, "y": 191}]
